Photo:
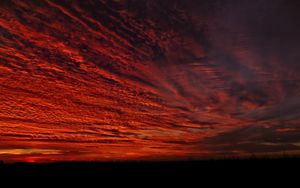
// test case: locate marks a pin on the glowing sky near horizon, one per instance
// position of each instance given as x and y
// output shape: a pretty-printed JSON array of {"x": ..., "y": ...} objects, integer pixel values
[{"x": 106, "y": 80}]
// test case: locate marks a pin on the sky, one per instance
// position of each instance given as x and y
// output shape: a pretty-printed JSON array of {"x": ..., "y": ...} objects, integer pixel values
[{"x": 121, "y": 80}]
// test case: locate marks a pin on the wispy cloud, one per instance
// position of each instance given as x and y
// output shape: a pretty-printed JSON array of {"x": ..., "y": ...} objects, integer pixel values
[{"x": 29, "y": 151}]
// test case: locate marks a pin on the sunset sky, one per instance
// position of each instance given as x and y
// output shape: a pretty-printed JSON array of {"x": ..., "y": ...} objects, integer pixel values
[{"x": 110, "y": 80}]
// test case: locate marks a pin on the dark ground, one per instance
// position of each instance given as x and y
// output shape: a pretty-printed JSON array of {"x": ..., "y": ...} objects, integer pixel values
[{"x": 231, "y": 169}]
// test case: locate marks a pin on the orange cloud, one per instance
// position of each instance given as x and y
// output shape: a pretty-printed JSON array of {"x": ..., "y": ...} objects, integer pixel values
[{"x": 147, "y": 80}]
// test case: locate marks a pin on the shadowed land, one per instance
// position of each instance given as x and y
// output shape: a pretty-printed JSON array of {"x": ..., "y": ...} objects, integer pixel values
[{"x": 255, "y": 167}]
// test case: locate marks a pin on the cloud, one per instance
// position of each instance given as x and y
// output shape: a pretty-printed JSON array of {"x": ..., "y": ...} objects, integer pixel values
[
  {"x": 149, "y": 79},
  {"x": 29, "y": 151},
  {"x": 286, "y": 110}
]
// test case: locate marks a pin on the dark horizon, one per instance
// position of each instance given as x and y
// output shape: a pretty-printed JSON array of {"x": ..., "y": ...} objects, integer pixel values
[{"x": 249, "y": 170}]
